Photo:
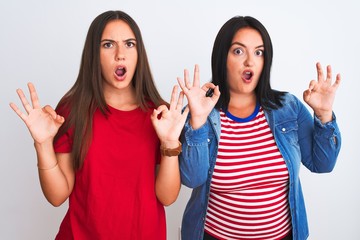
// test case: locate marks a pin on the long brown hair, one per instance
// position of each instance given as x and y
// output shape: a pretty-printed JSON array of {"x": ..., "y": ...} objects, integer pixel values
[{"x": 86, "y": 95}]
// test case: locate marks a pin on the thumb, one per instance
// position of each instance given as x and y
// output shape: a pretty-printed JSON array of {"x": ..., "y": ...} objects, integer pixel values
[
  {"x": 59, "y": 119},
  {"x": 306, "y": 95}
]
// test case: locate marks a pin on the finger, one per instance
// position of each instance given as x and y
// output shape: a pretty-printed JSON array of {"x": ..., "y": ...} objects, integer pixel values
[
  {"x": 337, "y": 81},
  {"x": 33, "y": 95},
  {"x": 207, "y": 86},
  {"x": 320, "y": 75},
  {"x": 184, "y": 115},
  {"x": 24, "y": 101},
  {"x": 18, "y": 112},
  {"x": 173, "y": 98},
  {"x": 48, "y": 109},
  {"x": 186, "y": 112},
  {"x": 163, "y": 109},
  {"x": 307, "y": 92},
  {"x": 338, "y": 78},
  {"x": 328, "y": 79},
  {"x": 217, "y": 93},
  {"x": 59, "y": 119},
  {"x": 306, "y": 95},
  {"x": 180, "y": 101},
  {"x": 182, "y": 86},
  {"x": 154, "y": 118},
  {"x": 158, "y": 113},
  {"x": 196, "y": 82},
  {"x": 312, "y": 85}
]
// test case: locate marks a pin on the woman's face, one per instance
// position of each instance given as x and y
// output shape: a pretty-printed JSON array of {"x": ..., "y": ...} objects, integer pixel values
[
  {"x": 245, "y": 61},
  {"x": 118, "y": 56}
]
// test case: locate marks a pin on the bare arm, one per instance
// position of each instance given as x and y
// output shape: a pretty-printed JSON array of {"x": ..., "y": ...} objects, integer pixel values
[
  {"x": 168, "y": 129},
  {"x": 58, "y": 180},
  {"x": 168, "y": 181},
  {"x": 55, "y": 170}
]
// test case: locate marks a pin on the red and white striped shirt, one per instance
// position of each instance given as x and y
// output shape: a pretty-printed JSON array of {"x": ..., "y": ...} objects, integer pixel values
[{"x": 249, "y": 187}]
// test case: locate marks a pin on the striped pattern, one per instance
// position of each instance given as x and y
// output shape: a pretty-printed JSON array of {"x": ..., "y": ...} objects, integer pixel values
[{"x": 249, "y": 187}]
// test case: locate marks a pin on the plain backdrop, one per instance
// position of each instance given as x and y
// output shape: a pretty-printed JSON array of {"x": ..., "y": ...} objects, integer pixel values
[{"x": 42, "y": 41}]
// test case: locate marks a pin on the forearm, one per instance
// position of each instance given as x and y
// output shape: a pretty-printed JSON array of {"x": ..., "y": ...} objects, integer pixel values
[
  {"x": 168, "y": 180},
  {"x": 324, "y": 116},
  {"x": 194, "y": 159},
  {"x": 327, "y": 144},
  {"x": 197, "y": 122},
  {"x": 319, "y": 143},
  {"x": 54, "y": 184}
]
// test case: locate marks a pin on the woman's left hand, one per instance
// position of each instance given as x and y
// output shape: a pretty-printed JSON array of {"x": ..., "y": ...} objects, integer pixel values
[
  {"x": 169, "y": 122},
  {"x": 321, "y": 94}
]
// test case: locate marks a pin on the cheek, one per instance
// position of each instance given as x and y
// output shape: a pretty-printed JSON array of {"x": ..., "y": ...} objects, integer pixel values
[
  {"x": 106, "y": 72},
  {"x": 134, "y": 60},
  {"x": 103, "y": 62},
  {"x": 231, "y": 78},
  {"x": 230, "y": 70},
  {"x": 259, "y": 65}
]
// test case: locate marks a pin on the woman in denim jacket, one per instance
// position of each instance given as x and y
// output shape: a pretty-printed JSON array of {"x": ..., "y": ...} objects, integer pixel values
[{"x": 242, "y": 148}]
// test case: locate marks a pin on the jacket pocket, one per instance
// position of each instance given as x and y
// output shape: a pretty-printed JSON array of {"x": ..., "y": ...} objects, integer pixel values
[{"x": 289, "y": 130}]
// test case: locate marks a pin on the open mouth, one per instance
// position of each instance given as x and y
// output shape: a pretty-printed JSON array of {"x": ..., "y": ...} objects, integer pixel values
[
  {"x": 247, "y": 75},
  {"x": 120, "y": 72}
]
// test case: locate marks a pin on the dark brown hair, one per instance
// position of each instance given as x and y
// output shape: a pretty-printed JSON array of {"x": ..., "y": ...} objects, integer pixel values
[{"x": 267, "y": 97}]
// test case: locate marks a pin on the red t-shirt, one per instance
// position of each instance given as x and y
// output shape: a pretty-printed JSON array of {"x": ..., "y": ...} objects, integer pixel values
[{"x": 114, "y": 193}]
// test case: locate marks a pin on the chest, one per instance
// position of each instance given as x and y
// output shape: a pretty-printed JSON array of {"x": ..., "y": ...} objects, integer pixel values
[{"x": 247, "y": 157}]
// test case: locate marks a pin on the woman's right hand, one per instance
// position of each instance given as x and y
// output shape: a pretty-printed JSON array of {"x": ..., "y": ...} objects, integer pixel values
[
  {"x": 200, "y": 106},
  {"x": 42, "y": 122}
]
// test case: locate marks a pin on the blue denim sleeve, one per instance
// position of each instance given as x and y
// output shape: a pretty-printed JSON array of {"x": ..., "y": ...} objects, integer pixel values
[
  {"x": 327, "y": 139},
  {"x": 319, "y": 143},
  {"x": 194, "y": 159}
]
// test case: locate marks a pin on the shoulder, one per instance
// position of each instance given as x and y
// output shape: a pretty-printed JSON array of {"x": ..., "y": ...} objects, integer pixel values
[
  {"x": 291, "y": 106},
  {"x": 63, "y": 110},
  {"x": 214, "y": 113},
  {"x": 150, "y": 104},
  {"x": 289, "y": 98}
]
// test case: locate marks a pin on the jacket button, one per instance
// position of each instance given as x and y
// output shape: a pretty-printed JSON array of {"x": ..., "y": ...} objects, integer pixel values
[
  {"x": 208, "y": 140},
  {"x": 283, "y": 129}
]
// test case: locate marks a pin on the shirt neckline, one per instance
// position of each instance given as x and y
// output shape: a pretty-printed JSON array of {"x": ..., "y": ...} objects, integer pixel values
[{"x": 247, "y": 119}]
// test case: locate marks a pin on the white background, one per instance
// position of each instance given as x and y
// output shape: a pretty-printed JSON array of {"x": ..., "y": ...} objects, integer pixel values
[{"x": 42, "y": 41}]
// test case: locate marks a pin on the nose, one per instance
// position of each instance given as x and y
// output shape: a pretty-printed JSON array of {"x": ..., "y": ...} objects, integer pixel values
[
  {"x": 249, "y": 60},
  {"x": 119, "y": 56}
]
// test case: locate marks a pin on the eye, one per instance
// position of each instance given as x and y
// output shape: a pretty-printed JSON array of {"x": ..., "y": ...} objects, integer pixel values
[
  {"x": 259, "y": 52},
  {"x": 108, "y": 45},
  {"x": 238, "y": 51},
  {"x": 130, "y": 44}
]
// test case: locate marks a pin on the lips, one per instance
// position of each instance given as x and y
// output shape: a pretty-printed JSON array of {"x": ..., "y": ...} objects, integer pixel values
[
  {"x": 247, "y": 75},
  {"x": 120, "y": 71}
]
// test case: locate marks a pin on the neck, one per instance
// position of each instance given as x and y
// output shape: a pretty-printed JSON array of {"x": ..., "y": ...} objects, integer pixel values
[
  {"x": 242, "y": 105},
  {"x": 122, "y": 100}
]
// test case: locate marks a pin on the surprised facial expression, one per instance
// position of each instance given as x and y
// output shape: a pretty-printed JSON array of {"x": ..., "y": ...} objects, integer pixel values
[
  {"x": 118, "y": 56},
  {"x": 245, "y": 61}
]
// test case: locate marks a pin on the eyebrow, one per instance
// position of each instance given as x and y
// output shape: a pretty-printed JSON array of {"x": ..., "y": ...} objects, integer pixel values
[
  {"x": 238, "y": 43},
  {"x": 111, "y": 40}
]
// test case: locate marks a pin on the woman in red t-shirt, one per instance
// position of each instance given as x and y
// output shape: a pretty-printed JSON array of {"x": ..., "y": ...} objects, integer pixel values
[{"x": 111, "y": 145}]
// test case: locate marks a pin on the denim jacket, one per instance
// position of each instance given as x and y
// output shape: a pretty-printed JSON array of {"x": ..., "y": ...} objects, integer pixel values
[{"x": 299, "y": 137}]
